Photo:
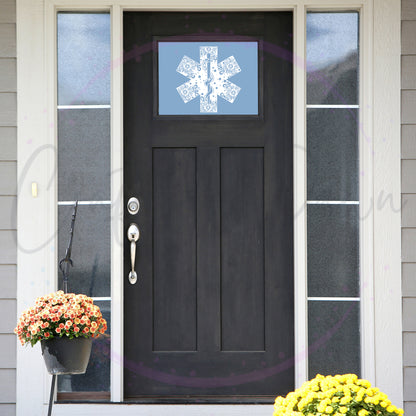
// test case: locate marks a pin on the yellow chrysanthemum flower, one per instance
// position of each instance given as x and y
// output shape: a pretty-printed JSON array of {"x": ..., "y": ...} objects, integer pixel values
[
  {"x": 291, "y": 396},
  {"x": 369, "y": 392},
  {"x": 364, "y": 383},
  {"x": 382, "y": 396},
  {"x": 353, "y": 387},
  {"x": 345, "y": 399},
  {"x": 301, "y": 404},
  {"x": 360, "y": 395},
  {"x": 346, "y": 390},
  {"x": 334, "y": 396}
]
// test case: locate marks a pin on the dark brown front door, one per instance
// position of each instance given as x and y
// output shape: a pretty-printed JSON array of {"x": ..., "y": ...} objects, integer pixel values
[{"x": 211, "y": 315}]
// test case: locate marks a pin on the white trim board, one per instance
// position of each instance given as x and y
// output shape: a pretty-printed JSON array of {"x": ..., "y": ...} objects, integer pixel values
[
  {"x": 387, "y": 219},
  {"x": 158, "y": 409},
  {"x": 299, "y": 197},
  {"x": 380, "y": 162}
]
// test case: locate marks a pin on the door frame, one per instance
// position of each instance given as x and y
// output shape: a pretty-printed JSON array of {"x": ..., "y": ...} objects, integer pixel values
[{"x": 380, "y": 233}]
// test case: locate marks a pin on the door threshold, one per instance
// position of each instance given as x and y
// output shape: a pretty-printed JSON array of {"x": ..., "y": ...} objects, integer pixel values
[{"x": 197, "y": 400}]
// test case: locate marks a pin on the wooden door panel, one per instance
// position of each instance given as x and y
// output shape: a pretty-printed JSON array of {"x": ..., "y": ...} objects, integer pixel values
[
  {"x": 211, "y": 316},
  {"x": 174, "y": 249},
  {"x": 242, "y": 249}
]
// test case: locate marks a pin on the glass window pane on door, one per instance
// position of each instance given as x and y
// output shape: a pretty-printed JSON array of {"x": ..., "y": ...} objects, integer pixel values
[
  {"x": 209, "y": 78},
  {"x": 84, "y": 142}
]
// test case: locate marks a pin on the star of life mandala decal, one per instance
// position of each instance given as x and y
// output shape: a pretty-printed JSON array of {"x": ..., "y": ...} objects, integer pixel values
[{"x": 208, "y": 79}]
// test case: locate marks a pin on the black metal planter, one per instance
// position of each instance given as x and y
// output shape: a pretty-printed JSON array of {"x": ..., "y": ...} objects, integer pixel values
[{"x": 66, "y": 356}]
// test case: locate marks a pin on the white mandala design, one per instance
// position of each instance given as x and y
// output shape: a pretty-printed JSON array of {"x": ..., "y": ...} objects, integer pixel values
[{"x": 208, "y": 79}]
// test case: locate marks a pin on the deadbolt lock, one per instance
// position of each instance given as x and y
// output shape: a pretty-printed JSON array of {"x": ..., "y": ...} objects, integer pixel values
[{"x": 133, "y": 206}]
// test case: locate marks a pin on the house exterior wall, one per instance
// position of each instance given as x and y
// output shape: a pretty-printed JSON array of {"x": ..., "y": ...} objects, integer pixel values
[
  {"x": 408, "y": 154},
  {"x": 8, "y": 192}
]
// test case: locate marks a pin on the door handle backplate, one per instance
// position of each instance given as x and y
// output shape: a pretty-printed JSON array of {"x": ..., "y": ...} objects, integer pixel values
[{"x": 133, "y": 234}]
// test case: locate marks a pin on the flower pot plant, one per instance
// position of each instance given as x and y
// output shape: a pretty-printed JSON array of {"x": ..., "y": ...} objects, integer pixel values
[
  {"x": 65, "y": 324},
  {"x": 340, "y": 395}
]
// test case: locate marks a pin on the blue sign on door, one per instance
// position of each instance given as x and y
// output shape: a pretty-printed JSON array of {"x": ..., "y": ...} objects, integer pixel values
[{"x": 211, "y": 78}]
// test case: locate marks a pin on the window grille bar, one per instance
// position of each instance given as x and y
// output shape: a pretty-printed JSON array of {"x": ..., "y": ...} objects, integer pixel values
[
  {"x": 332, "y": 106},
  {"x": 333, "y": 202},
  {"x": 84, "y": 203},
  {"x": 338, "y": 299},
  {"x": 81, "y": 107}
]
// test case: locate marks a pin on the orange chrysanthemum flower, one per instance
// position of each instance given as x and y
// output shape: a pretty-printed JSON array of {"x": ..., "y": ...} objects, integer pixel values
[{"x": 60, "y": 314}]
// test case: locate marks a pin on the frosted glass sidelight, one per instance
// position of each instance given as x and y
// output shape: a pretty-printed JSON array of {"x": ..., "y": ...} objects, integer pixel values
[
  {"x": 333, "y": 337},
  {"x": 332, "y": 58},
  {"x": 333, "y": 250},
  {"x": 97, "y": 376},
  {"x": 91, "y": 253},
  {"x": 333, "y": 184},
  {"x": 84, "y": 58},
  {"x": 333, "y": 159},
  {"x": 84, "y": 155}
]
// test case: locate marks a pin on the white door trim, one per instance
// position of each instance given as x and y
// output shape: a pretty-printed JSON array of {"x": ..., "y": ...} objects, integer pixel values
[{"x": 379, "y": 159}]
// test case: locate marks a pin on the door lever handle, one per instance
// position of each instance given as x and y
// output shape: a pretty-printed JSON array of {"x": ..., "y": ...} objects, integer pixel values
[{"x": 133, "y": 234}]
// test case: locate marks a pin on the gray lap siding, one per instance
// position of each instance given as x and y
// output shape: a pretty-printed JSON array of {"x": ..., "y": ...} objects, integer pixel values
[{"x": 8, "y": 192}]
